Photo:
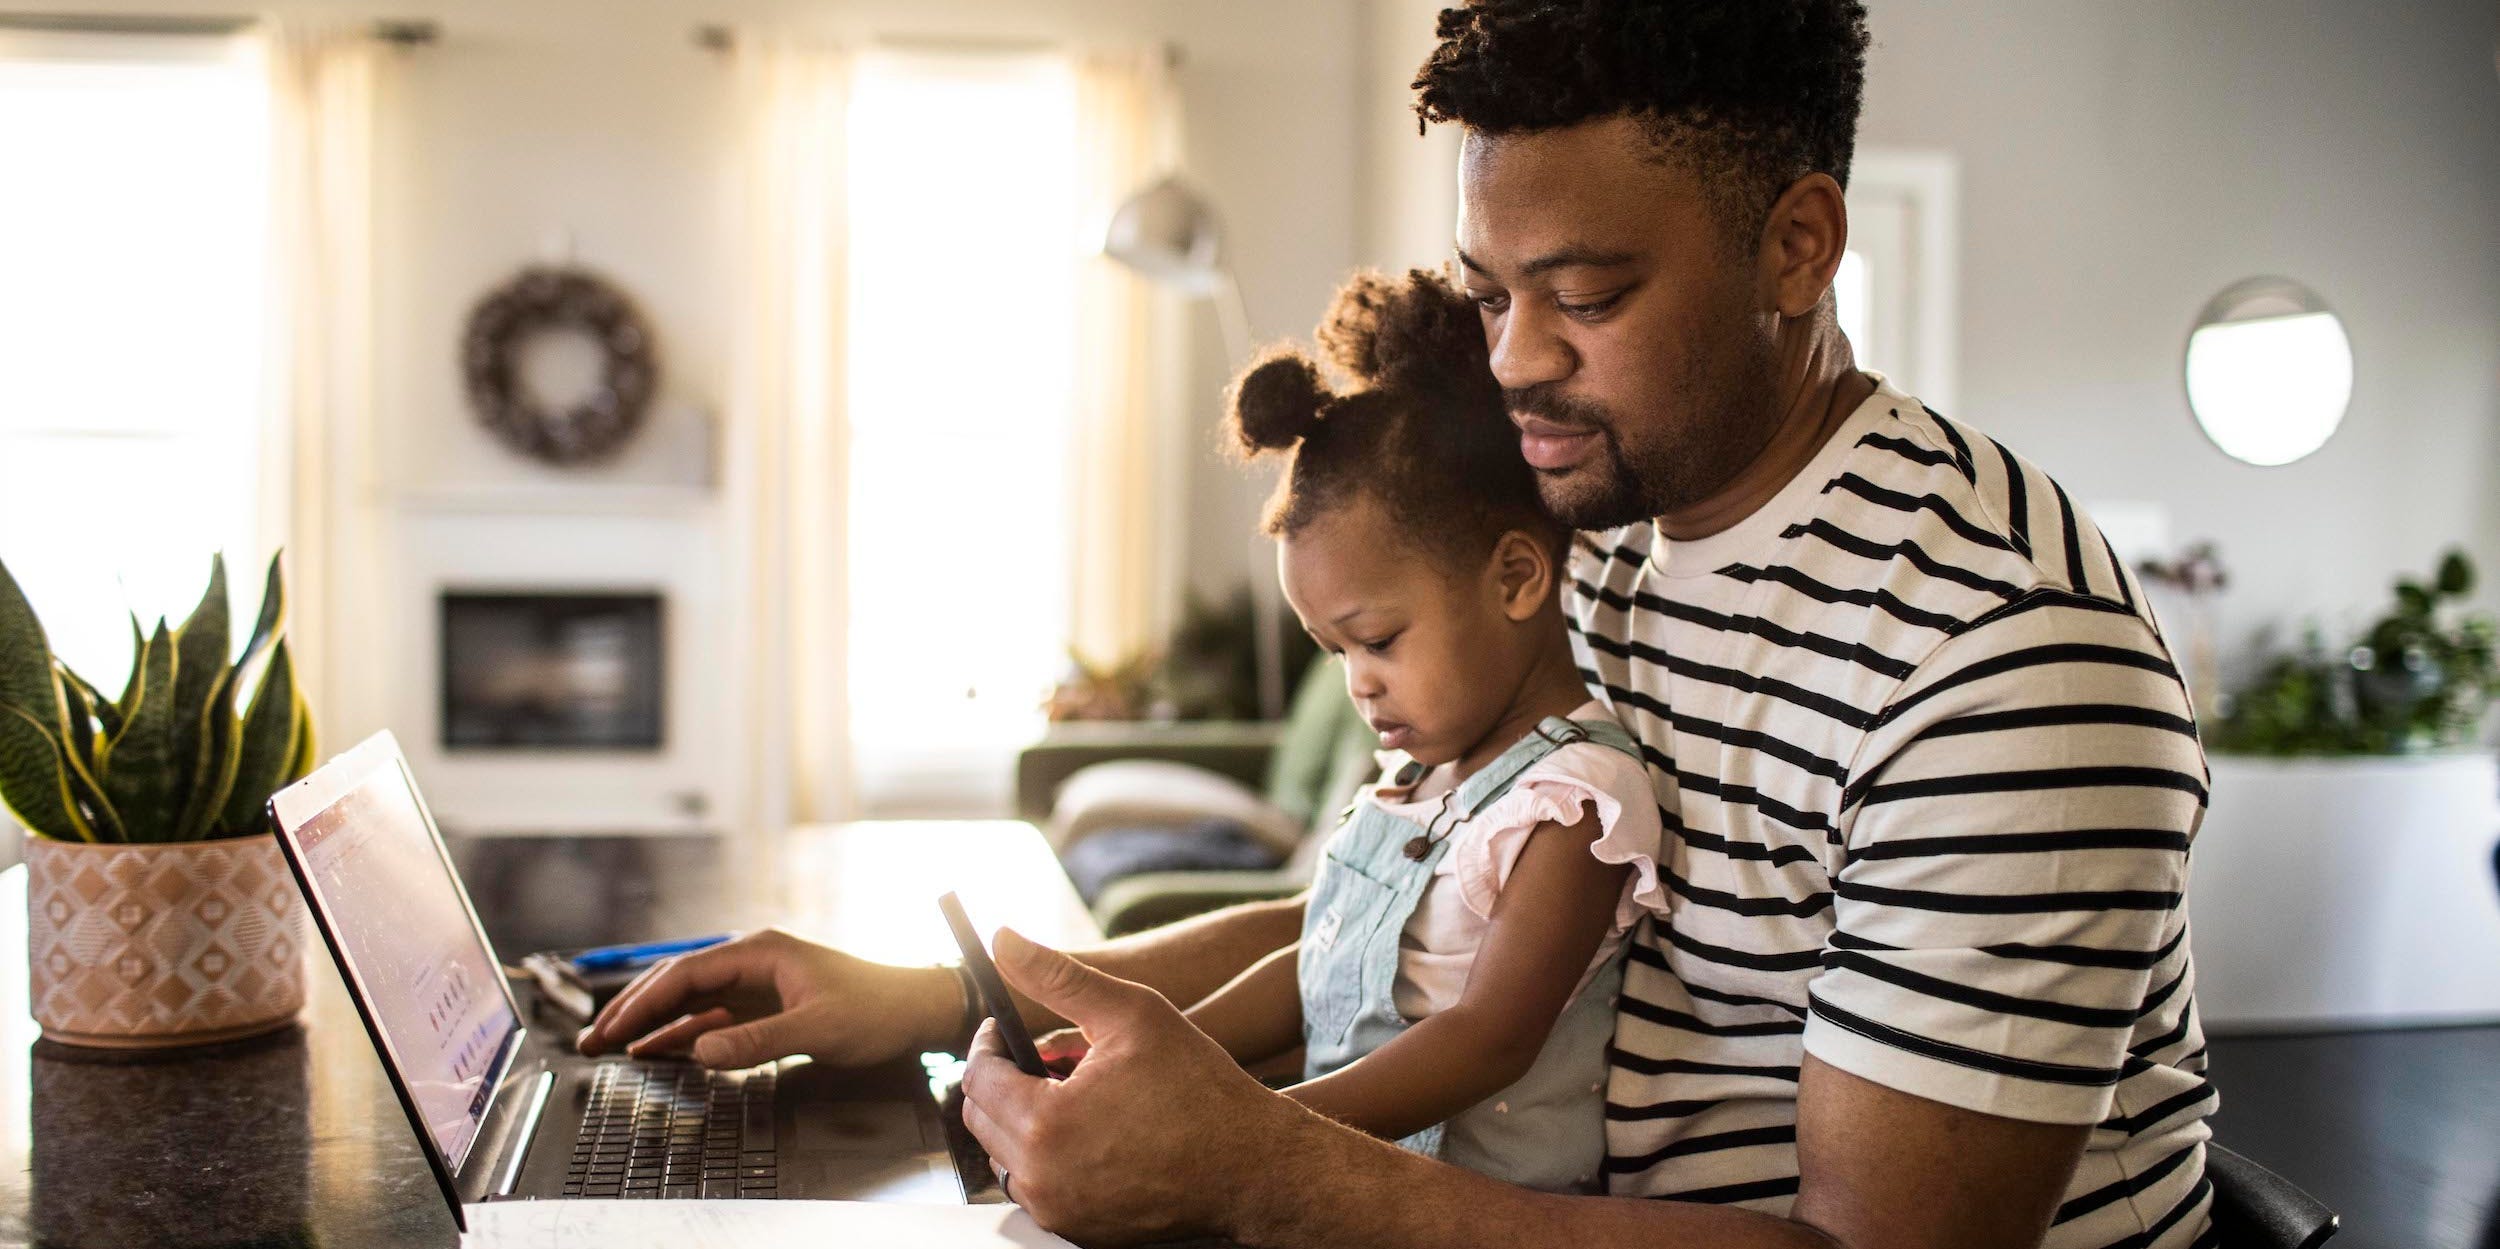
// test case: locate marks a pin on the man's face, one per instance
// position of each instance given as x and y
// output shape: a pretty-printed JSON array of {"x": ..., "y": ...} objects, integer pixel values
[{"x": 1634, "y": 343}]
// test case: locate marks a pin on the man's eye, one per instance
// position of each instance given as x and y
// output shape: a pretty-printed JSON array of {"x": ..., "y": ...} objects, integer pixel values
[
  {"x": 1490, "y": 303},
  {"x": 1589, "y": 308}
]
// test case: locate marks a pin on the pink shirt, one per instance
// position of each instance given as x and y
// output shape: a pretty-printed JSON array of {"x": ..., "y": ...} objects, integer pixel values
[{"x": 1439, "y": 944}]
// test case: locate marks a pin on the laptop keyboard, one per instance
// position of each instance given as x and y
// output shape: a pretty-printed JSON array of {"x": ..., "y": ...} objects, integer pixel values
[{"x": 656, "y": 1130}]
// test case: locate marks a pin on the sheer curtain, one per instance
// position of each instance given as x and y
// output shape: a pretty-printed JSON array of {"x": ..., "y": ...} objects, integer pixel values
[
  {"x": 1129, "y": 460},
  {"x": 790, "y": 427},
  {"x": 316, "y": 448},
  {"x": 786, "y": 425}
]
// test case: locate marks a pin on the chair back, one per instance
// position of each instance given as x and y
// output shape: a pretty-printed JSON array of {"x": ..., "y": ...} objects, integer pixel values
[{"x": 2256, "y": 1209}]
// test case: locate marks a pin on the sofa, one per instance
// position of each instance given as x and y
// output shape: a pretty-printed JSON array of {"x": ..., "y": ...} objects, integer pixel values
[{"x": 1280, "y": 785}]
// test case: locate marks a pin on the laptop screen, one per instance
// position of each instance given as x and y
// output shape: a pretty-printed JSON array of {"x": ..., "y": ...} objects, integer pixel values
[{"x": 409, "y": 945}]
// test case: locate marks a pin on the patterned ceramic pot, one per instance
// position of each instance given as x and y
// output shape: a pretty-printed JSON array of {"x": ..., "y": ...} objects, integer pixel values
[{"x": 148, "y": 946}]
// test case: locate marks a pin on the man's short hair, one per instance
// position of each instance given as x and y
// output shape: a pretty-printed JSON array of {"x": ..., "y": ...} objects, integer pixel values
[{"x": 1754, "y": 94}]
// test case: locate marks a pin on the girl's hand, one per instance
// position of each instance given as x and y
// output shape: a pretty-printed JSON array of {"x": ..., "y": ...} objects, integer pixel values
[{"x": 1062, "y": 1050}]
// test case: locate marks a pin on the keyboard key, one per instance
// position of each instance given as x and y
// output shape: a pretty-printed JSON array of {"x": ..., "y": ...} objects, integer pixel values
[{"x": 720, "y": 1188}]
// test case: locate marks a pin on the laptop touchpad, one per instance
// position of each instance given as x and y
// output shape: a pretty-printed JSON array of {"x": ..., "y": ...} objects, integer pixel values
[
  {"x": 881, "y": 1127},
  {"x": 865, "y": 1177}
]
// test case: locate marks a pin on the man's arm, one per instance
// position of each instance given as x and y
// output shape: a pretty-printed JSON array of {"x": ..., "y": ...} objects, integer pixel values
[
  {"x": 770, "y": 994},
  {"x": 1189, "y": 960},
  {"x": 1882, "y": 1170},
  {"x": 1160, "y": 1135}
]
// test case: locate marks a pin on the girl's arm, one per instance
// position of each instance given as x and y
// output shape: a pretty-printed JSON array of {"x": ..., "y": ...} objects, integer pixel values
[
  {"x": 1259, "y": 1014},
  {"x": 1546, "y": 926}
]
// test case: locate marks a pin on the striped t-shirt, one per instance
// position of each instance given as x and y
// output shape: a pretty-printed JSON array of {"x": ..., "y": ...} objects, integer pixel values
[{"x": 1928, "y": 777}]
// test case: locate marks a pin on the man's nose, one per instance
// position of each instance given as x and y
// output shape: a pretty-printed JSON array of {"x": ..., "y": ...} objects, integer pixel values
[{"x": 1528, "y": 348}]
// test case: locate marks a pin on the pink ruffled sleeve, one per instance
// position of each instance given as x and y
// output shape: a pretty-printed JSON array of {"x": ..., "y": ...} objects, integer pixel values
[{"x": 1563, "y": 787}]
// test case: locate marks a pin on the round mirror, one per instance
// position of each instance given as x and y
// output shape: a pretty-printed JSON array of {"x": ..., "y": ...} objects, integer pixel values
[{"x": 2269, "y": 371}]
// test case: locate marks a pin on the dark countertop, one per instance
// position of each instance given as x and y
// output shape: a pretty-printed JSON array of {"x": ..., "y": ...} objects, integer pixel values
[{"x": 295, "y": 1138}]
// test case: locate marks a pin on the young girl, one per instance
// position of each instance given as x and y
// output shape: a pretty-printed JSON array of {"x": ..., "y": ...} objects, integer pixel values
[{"x": 1455, "y": 982}]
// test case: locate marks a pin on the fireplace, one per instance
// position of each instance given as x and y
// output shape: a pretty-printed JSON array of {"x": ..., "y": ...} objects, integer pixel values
[{"x": 553, "y": 670}]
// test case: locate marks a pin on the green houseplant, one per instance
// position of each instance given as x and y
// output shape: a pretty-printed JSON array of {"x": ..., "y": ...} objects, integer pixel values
[
  {"x": 2419, "y": 679},
  {"x": 159, "y": 910}
]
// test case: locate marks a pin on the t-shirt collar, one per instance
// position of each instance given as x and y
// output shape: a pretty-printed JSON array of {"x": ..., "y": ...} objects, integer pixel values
[{"x": 1749, "y": 541}]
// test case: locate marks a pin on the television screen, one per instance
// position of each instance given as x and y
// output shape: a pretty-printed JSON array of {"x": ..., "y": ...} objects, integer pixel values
[{"x": 552, "y": 671}]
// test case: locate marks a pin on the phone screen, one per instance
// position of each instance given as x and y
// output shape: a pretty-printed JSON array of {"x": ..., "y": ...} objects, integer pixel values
[{"x": 995, "y": 1001}]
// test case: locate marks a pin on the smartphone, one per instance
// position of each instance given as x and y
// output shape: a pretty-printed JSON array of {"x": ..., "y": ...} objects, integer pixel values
[{"x": 995, "y": 1001}]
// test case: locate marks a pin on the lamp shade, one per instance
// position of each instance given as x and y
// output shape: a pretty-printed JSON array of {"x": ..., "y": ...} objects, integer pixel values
[{"x": 1169, "y": 233}]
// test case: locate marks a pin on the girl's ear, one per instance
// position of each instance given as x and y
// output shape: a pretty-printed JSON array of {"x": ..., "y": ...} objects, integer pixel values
[{"x": 1523, "y": 571}]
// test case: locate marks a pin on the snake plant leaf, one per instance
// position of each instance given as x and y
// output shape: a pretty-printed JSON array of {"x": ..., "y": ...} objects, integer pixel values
[
  {"x": 26, "y": 680},
  {"x": 86, "y": 791},
  {"x": 135, "y": 691},
  {"x": 271, "y": 625},
  {"x": 202, "y": 647},
  {"x": 82, "y": 718},
  {"x": 267, "y": 749},
  {"x": 306, "y": 745},
  {"x": 129, "y": 701},
  {"x": 108, "y": 717},
  {"x": 143, "y": 779},
  {"x": 78, "y": 758},
  {"x": 212, "y": 776},
  {"x": 33, "y": 781}
]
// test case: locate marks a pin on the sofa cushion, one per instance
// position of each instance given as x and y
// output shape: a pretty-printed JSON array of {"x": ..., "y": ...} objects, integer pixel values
[{"x": 1153, "y": 793}]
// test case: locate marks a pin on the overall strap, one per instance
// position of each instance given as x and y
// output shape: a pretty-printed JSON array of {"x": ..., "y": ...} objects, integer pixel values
[
  {"x": 1494, "y": 780},
  {"x": 1608, "y": 732}
]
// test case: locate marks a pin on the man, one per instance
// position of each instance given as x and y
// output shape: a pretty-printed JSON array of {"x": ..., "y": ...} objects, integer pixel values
[{"x": 1930, "y": 772}]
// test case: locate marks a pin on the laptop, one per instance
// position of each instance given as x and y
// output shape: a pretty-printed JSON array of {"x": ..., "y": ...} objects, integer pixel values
[{"x": 500, "y": 1118}]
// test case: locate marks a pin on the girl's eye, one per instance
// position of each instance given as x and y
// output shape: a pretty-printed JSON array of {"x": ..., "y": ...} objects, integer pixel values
[{"x": 1380, "y": 647}]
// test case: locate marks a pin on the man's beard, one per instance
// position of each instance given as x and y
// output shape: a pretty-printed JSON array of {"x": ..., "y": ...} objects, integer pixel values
[{"x": 1686, "y": 458}]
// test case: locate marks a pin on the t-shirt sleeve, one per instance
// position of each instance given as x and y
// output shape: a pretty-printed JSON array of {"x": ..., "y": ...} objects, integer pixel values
[{"x": 2014, "y": 860}]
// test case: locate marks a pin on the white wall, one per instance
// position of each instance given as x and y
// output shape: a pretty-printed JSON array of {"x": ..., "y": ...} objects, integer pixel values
[
  {"x": 602, "y": 121},
  {"x": 2124, "y": 160},
  {"x": 1408, "y": 182},
  {"x": 2121, "y": 161}
]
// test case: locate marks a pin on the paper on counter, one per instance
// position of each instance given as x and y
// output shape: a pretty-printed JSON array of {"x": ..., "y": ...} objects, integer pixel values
[{"x": 576, "y": 1224}]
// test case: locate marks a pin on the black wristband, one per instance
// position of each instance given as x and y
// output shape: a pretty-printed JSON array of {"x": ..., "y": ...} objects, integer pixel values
[{"x": 974, "y": 1012}]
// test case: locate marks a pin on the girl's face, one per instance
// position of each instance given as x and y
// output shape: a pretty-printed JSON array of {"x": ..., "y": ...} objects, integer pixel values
[{"x": 1433, "y": 653}]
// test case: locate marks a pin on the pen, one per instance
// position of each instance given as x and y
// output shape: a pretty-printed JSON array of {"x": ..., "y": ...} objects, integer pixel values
[{"x": 613, "y": 957}]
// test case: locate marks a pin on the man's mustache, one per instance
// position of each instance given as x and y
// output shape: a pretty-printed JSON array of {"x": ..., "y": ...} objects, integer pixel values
[{"x": 1547, "y": 404}]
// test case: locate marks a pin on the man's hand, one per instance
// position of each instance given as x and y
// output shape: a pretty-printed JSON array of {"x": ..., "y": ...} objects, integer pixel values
[
  {"x": 769, "y": 995},
  {"x": 1138, "y": 1142}
]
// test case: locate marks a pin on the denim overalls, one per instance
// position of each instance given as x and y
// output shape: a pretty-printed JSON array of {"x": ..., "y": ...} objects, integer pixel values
[{"x": 1547, "y": 1131}]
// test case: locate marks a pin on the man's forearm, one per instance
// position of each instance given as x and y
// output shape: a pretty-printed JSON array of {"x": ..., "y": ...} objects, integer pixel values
[
  {"x": 1325, "y": 1184},
  {"x": 1191, "y": 959}
]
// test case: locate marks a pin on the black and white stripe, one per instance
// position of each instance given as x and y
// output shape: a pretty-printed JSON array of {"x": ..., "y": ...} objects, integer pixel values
[{"x": 1929, "y": 779}]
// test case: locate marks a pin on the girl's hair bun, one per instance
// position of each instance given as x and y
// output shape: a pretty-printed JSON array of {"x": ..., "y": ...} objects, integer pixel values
[
  {"x": 1414, "y": 332},
  {"x": 1278, "y": 402}
]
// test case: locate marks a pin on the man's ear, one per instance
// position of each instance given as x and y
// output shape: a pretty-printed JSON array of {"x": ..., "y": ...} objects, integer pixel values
[
  {"x": 1803, "y": 242},
  {"x": 1523, "y": 573}
]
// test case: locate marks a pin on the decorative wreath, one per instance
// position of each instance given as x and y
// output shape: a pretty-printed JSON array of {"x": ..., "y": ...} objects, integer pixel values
[{"x": 540, "y": 299}]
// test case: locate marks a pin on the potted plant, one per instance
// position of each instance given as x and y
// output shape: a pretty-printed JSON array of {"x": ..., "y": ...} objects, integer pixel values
[
  {"x": 159, "y": 911},
  {"x": 2343, "y": 874}
]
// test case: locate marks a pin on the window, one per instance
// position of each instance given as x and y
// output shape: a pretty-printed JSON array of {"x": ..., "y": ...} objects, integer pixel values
[
  {"x": 963, "y": 260},
  {"x": 1895, "y": 287},
  {"x": 132, "y": 249}
]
